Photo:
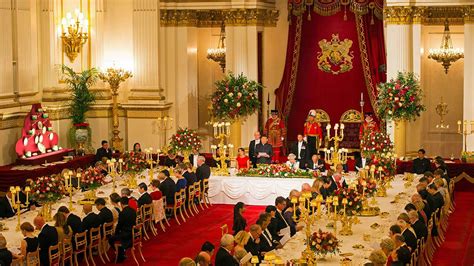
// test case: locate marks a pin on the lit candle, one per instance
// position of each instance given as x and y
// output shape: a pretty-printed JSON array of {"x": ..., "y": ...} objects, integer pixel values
[
  {"x": 328, "y": 129},
  {"x": 27, "y": 190},
  {"x": 361, "y": 97},
  {"x": 18, "y": 193},
  {"x": 78, "y": 180}
]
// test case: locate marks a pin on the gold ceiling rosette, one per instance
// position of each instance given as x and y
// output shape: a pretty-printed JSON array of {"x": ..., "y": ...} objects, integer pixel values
[{"x": 331, "y": 7}]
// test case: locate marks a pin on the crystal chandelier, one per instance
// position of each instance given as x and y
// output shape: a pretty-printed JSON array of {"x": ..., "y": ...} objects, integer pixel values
[
  {"x": 446, "y": 54},
  {"x": 218, "y": 54}
]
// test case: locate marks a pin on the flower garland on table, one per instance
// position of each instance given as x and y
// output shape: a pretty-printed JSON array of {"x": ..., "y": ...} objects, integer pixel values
[
  {"x": 323, "y": 243},
  {"x": 277, "y": 170},
  {"x": 235, "y": 97},
  {"x": 48, "y": 188},
  {"x": 185, "y": 140},
  {"x": 134, "y": 162},
  {"x": 400, "y": 98},
  {"x": 354, "y": 199},
  {"x": 92, "y": 178}
]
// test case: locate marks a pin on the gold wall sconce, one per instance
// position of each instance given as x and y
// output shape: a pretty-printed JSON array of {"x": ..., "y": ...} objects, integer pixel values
[{"x": 74, "y": 34}]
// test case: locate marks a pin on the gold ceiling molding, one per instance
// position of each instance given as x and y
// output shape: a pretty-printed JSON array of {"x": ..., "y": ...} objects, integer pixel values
[
  {"x": 429, "y": 15},
  {"x": 213, "y": 17}
]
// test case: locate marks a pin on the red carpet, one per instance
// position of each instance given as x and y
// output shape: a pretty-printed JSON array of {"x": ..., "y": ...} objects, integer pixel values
[
  {"x": 458, "y": 248},
  {"x": 185, "y": 240}
]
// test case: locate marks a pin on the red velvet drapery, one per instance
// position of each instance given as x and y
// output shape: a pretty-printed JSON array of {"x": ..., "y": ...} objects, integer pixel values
[{"x": 304, "y": 86}]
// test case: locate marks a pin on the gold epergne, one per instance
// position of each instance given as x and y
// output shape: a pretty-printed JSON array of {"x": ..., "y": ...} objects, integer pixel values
[
  {"x": 334, "y": 155},
  {"x": 113, "y": 171},
  {"x": 149, "y": 160},
  {"x": 69, "y": 188},
  {"x": 347, "y": 220},
  {"x": 368, "y": 210},
  {"x": 222, "y": 152},
  {"x": 16, "y": 203}
]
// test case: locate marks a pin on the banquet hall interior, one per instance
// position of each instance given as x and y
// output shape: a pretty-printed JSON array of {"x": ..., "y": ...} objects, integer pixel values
[{"x": 236, "y": 132}]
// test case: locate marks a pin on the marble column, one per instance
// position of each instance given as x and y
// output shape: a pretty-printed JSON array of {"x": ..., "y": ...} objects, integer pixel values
[{"x": 469, "y": 75}]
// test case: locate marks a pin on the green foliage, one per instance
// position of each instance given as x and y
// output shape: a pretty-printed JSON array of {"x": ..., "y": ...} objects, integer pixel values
[
  {"x": 400, "y": 98},
  {"x": 82, "y": 97},
  {"x": 236, "y": 97}
]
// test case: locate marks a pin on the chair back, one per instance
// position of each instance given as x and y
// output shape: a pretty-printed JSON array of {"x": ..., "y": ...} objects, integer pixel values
[
  {"x": 137, "y": 234},
  {"x": 197, "y": 189},
  {"x": 17, "y": 262},
  {"x": 32, "y": 258},
  {"x": 54, "y": 255},
  {"x": 178, "y": 198},
  {"x": 183, "y": 194},
  {"x": 107, "y": 230},
  {"x": 190, "y": 193},
  {"x": 147, "y": 211},
  {"x": 205, "y": 186},
  {"x": 158, "y": 209},
  {"x": 94, "y": 237},
  {"x": 66, "y": 250},
  {"x": 80, "y": 240}
]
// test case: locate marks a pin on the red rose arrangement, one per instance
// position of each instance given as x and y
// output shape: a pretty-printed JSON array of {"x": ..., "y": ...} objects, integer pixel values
[
  {"x": 354, "y": 200},
  {"x": 185, "y": 140},
  {"x": 370, "y": 187},
  {"x": 277, "y": 170},
  {"x": 134, "y": 162},
  {"x": 92, "y": 178},
  {"x": 48, "y": 188},
  {"x": 323, "y": 243},
  {"x": 376, "y": 143}
]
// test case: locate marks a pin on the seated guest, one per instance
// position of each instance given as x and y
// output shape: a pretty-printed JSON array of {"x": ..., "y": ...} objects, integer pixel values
[
  {"x": 272, "y": 227},
  {"x": 440, "y": 164},
  {"x": 378, "y": 258},
  {"x": 155, "y": 190},
  {"x": 167, "y": 186},
  {"x": 193, "y": 158},
  {"x": 394, "y": 230},
  {"x": 224, "y": 254},
  {"x": 181, "y": 183},
  {"x": 103, "y": 152},
  {"x": 407, "y": 231},
  {"x": 208, "y": 247},
  {"x": 72, "y": 220},
  {"x": 442, "y": 187},
  {"x": 241, "y": 239},
  {"x": 292, "y": 162},
  {"x": 239, "y": 221},
  {"x": 243, "y": 161},
  {"x": 123, "y": 230},
  {"x": 47, "y": 237},
  {"x": 188, "y": 174},
  {"x": 418, "y": 226},
  {"x": 115, "y": 201},
  {"x": 316, "y": 188},
  {"x": 264, "y": 151},
  {"x": 427, "y": 199},
  {"x": 299, "y": 149},
  {"x": 186, "y": 262},
  {"x": 137, "y": 148},
  {"x": 401, "y": 255},
  {"x": 421, "y": 164},
  {"x": 337, "y": 182},
  {"x": 340, "y": 169},
  {"x": 411, "y": 207},
  {"x": 203, "y": 171},
  {"x": 203, "y": 259},
  {"x": 30, "y": 242},
  {"x": 144, "y": 198},
  {"x": 326, "y": 189},
  {"x": 294, "y": 227},
  {"x": 105, "y": 214},
  {"x": 253, "y": 244},
  {"x": 252, "y": 147},
  {"x": 64, "y": 230},
  {"x": 282, "y": 224},
  {"x": 438, "y": 199},
  {"x": 126, "y": 192},
  {"x": 267, "y": 243},
  {"x": 90, "y": 220},
  {"x": 361, "y": 161},
  {"x": 7, "y": 208},
  {"x": 6, "y": 256},
  {"x": 387, "y": 245},
  {"x": 421, "y": 207},
  {"x": 171, "y": 160},
  {"x": 316, "y": 163}
]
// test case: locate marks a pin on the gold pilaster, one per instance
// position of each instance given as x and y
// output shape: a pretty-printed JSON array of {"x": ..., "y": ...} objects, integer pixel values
[{"x": 400, "y": 138}]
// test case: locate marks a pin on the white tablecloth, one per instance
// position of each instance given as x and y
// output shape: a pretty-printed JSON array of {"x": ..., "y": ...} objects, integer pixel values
[{"x": 251, "y": 190}]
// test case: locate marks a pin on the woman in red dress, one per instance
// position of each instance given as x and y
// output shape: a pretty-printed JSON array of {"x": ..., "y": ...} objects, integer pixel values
[{"x": 243, "y": 161}]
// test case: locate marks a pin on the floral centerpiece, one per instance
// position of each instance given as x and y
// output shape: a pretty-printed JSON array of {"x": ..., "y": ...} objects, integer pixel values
[
  {"x": 92, "y": 178},
  {"x": 185, "y": 139},
  {"x": 368, "y": 187},
  {"x": 400, "y": 98},
  {"x": 323, "y": 243},
  {"x": 376, "y": 143},
  {"x": 134, "y": 162},
  {"x": 47, "y": 189},
  {"x": 277, "y": 170},
  {"x": 235, "y": 98},
  {"x": 385, "y": 165},
  {"x": 354, "y": 199}
]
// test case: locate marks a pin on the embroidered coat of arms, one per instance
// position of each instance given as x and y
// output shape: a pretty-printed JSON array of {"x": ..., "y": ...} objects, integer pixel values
[{"x": 335, "y": 56}]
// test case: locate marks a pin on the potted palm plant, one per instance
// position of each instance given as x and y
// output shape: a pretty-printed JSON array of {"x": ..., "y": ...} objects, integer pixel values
[{"x": 81, "y": 100}]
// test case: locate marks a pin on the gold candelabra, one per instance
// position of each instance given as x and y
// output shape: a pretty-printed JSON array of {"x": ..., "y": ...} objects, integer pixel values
[
  {"x": 465, "y": 132},
  {"x": 442, "y": 111},
  {"x": 222, "y": 151},
  {"x": 367, "y": 210},
  {"x": 114, "y": 77},
  {"x": 68, "y": 183},
  {"x": 164, "y": 123},
  {"x": 112, "y": 166},
  {"x": 16, "y": 203},
  {"x": 335, "y": 155},
  {"x": 74, "y": 34},
  {"x": 149, "y": 160}
]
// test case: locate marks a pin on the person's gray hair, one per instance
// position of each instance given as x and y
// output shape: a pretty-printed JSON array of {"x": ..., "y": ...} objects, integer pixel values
[
  {"x": 254, "y": 228},
  {"x": 291, "y": 156},
  {"x": 201, "y": 158},
  {"x": 126, "y": 191},
  {"x": 227, "y": 240},
  {"x": 387, "y": 244},
  {"x": 413, "y": 215}
]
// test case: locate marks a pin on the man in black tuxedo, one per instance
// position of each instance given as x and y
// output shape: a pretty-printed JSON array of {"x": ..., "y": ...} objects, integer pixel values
[
  {"x": 421, "y": 164},
  {"x": 325, "y": 189},
  {"x": 224, "y": 256},
  {"x": 316, "y": 163},
  {"x": 145, "y": 197},
  {"x": 103, "y": 151},
  {"x": 167, "y": 186},
  {"x": 91, "y": 220},
  {"x": 361, "y": 162},
  {"x": 253, "y": 245},
  {"x": 264, "y": 151},
  {"x": 47, "y": 237},
  {"x": 407, "y": 232},
  {"x": 252, "y": 146},
  {"x": 7, "y": 209},
  {"x": 437, "y": 197},
  {"x": 203, "y": 171},
  {"x": 280, "y": 204},
  {"x": 418, "y": 225},
  {"x": 72, "y": 220},
  {"x": 105, "y": 214},
  {"x": 299, "y": 149},
  {"x": 124, "y": 229}
]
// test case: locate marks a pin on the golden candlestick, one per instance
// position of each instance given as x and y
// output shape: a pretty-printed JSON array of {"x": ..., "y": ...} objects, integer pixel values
[
  {"x": 114, "y": 77},
  {"x": 68, "y": 179},
  {"x": 16, "y": 204},
  {"x": 309, "y": 218},
  {"x": 222, "y": 151},
  {"x": 164, "y": 123},
  {"x": 27, "y": 191},
  {"x": 465, "y": 131},
  {"x": 334, "y": 155},
  {"x": 335, "y": 203}
]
